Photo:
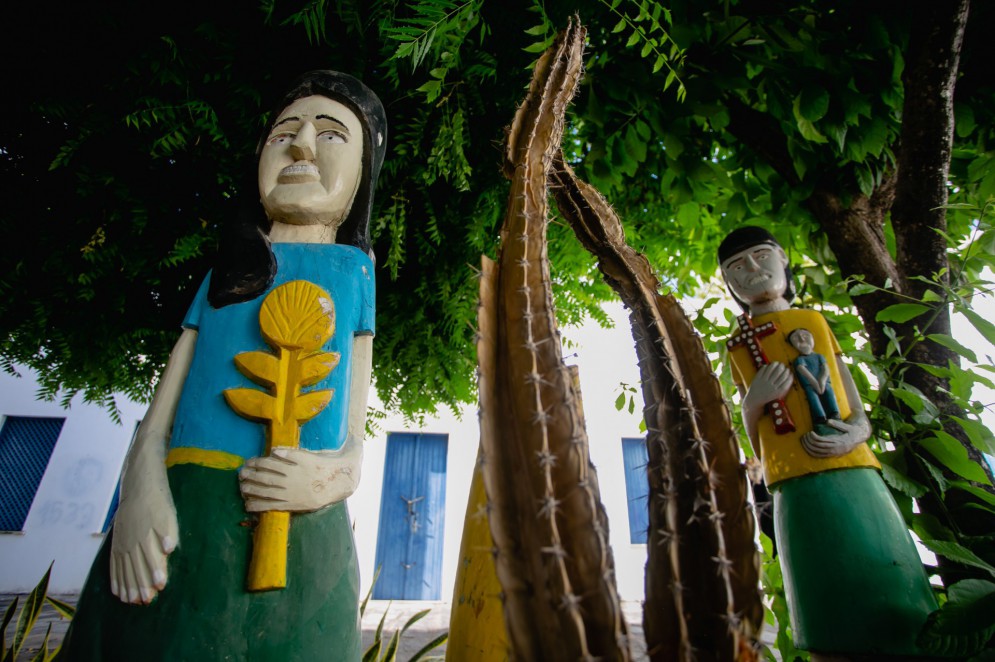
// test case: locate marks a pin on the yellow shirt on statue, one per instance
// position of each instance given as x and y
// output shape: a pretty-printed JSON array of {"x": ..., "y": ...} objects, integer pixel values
[{"x": 782, "y": 455}]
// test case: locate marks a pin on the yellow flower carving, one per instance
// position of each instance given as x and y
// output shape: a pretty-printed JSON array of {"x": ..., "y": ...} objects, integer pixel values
[{"x": 297, "y": 315}]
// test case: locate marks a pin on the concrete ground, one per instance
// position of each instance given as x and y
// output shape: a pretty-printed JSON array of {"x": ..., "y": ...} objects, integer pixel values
[{"x": 398, "y": 612}]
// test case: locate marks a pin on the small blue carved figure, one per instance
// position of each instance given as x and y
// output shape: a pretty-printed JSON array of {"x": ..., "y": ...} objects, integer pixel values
[{"x": 813, "y": 376}]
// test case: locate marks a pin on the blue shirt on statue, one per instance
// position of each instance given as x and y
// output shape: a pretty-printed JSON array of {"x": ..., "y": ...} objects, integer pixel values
[{"x": 203, "y": 418}]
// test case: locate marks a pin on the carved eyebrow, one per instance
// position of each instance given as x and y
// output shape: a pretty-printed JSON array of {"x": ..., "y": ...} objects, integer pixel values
[
  {"x": 733, "y": 262},
  {"x": 329, "y": 117},
  {"x": 285, "y": 120},
  {"x": 317, "y": 117}
]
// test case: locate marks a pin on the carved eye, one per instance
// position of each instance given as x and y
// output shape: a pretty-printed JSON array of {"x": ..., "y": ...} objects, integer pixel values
[
  {"x": 332, "y": 138},
  {"x": 281, "y": 139}
]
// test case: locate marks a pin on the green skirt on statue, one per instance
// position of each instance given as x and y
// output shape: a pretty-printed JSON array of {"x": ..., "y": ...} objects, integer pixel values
[
  {"x": 852, "y": 575},
  {"x": 204, "y": 613}
]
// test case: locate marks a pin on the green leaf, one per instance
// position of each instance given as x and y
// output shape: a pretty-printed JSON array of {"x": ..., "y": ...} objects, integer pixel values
[
  {"x": 633, "y": 40},
  {"x": 958, "y": 553},
  {"x": 536, "y": 30},
  {"x": 965, "y": 623},
  {"x": 901, "y": 312},
  {"x": 984, "y": 327},
  {"x": 862, "y": 288},
  {"x": 865, "y": 180},
  {"x": 64, "y": 609},
  {"x": 928, "y": 526},
  {"x": 620, "y": 401},
  {"x": 953, "y": 456},
  {"x": 429, "y": 647},
  {"x": 805, "y": 126},
  {"x": 901, "y": 482},
  {"x": 813, "y": 103},
  {"x": 8, "y": 616},
  {"x": 915, "y": 401},
  {"x": 978, "y": 433},
  {"x": 537, "y": 47},
  {"x": 30, "y": 611},
  {"x": 619, "y": 26},
  {"x": 953, "y": 345},
  {"x": 981, "y": 494}
]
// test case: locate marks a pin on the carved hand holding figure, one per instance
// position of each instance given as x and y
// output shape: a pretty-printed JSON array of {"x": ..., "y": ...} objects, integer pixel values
[
  {"x": 758, "y": 278},
  {"x": 301, "y": 481}
]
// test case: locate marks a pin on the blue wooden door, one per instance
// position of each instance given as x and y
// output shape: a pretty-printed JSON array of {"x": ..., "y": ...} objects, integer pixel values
[
  {"x": 637, "y": 488},
  {"x": 412, "y": 518}
]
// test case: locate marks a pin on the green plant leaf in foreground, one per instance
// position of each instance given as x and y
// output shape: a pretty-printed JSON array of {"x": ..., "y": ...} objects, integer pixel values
[
  {"x": 953, "y": 455},
  {"x": 965, "y": 623},
  {"x": 958, "y": 553},
  {"x": 901, "y": 312}
]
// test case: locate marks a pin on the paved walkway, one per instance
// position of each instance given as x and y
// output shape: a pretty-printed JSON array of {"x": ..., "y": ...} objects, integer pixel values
[{"x": 398, "y": 613}]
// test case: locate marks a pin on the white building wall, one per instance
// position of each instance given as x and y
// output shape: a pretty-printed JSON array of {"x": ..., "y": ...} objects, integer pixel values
[{"x": 65, "y": 519}]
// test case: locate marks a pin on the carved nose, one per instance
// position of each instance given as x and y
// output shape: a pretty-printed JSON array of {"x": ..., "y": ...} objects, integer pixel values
[{"x": 302, "y": 149}]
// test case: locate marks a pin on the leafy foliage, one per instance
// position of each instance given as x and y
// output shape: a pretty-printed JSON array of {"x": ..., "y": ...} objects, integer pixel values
[
  {"x": 26, "y": 620},
  {"x": 376, "y": 651}
]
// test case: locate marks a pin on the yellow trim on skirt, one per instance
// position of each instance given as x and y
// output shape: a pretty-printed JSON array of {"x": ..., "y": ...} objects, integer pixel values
[{"x": 204, "y": 457}]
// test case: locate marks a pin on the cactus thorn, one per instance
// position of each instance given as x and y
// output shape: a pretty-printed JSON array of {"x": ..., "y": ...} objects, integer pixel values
[
  {"x": 723, "y": 563},
  {"x": 732, "y": 619},
  {"x": 555, "y": 550},
  {"x": 541, "y": 417},
  {"x": 570, "y": 601},
  {"x": 666, "y": 537},
  {"x": 546, "y": 459},
  {"x": 550, "y": 504}
]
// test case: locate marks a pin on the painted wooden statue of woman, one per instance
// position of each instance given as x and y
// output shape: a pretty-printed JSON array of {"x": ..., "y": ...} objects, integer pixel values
[
  {"x": 855, "y": 585},
  {"x": 232, "y": 540}
]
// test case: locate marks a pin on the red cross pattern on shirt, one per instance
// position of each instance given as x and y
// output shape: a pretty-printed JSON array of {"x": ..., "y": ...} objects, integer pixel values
[{"x": 749, "y": 337}]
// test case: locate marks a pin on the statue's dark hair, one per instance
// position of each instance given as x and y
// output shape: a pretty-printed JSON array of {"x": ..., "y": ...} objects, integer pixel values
[
  {"x": 749, "y": 236},
  {"x": 245, "y": 264}
]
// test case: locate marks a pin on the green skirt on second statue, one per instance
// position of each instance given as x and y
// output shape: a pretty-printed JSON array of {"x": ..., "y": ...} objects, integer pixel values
[{"x": 852, "y": 575}]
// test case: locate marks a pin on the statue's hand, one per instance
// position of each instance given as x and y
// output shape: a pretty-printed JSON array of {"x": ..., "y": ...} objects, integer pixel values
[
  {"x": 772, "y": 382},
  {"x": 854, "y": 431},
  {"x": 298, "y": 480},
  {"x": 145, "y": 531}
]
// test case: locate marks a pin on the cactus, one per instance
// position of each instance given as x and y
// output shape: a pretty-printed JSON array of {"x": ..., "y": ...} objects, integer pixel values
[
  {"x": 702, "y": 574},
  {"x": 549, "y": 529}
]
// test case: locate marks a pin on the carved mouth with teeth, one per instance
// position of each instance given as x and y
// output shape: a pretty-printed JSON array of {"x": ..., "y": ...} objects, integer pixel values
[
  {"x": 299, "y": 172},
  {"x": 758, "y": 279}
]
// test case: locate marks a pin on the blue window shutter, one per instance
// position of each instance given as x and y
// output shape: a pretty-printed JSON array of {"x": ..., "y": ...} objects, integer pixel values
[
  {"x": 412, "y": 518},
  {"x": 26, "y": 444},
  {"x": 637, "y": 488}
]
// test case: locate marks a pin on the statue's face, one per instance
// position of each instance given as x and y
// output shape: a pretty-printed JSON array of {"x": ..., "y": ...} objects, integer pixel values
[
  {"x": 756, "y": 274},
  {"x": 312, "y": 162}
]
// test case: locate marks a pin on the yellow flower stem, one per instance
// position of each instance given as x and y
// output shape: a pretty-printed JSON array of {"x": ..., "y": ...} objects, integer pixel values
[{"x": 268, "y": 565}]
